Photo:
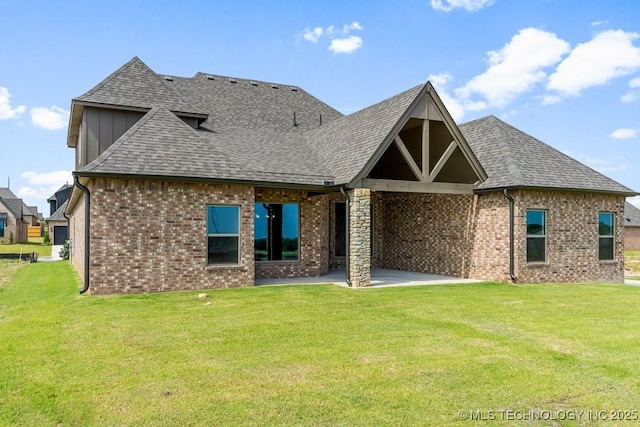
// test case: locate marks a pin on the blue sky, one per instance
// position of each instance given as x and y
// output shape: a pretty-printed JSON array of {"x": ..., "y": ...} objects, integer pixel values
[{"x": 564, "y": 71}]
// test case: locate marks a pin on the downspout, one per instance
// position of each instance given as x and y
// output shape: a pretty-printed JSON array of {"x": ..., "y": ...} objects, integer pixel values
[
  {"x": 512, "y": 273},
  {"x": 347, "y": 231},
  {"x": 87, "y": 222}
]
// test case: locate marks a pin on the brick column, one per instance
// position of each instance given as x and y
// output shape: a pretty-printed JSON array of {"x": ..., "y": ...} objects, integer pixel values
[{"x": 359, "y": 237}]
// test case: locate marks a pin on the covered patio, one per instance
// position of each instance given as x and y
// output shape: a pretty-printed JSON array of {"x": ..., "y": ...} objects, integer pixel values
[{"x": 380, "y": 278}]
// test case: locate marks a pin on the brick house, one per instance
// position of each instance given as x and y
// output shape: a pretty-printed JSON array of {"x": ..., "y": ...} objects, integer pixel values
[
  {"x": 631, "y": 227},
  {"x": 14, "y": 217},
  {"x": 57, "y": 222},
  {"x": 211, "y": 181}
]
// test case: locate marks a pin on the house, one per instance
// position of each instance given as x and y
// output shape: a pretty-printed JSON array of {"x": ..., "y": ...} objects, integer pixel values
[
  {"x": 14, "y": 217},
  {"x": 211, "y": 181},
  {"x": 631, "y": 227},
  {"x": 58, "y": 224}
]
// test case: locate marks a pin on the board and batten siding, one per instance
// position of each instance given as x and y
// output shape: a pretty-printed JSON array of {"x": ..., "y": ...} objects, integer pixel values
[{"x": 99, "y": 129}]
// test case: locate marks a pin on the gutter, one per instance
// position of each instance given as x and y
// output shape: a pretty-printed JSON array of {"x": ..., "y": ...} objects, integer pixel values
[
  {"x": 348, "y": 257},
  {"x": 512, "y": 273},
  {"x": 87, "y": 222}
]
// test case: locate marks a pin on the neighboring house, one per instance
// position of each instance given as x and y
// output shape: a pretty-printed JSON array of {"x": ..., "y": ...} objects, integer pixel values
[
  {"x": 57, "y": 222},
  {"x": 14, "y": 216},
  {"x": 631, "y": 227},
  {"x": 211, "y": 181}
]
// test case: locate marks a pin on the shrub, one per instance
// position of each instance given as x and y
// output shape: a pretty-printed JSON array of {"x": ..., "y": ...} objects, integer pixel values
[
  {"x": 11, "y": 238},
  {"x": 46, "y": 239}
]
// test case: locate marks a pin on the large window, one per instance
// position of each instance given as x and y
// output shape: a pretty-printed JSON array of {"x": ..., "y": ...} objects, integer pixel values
[
  {"x": 606, "y": 227},
  {"x": 276, "y": 232},
  {"x": 2, "y": 227},
  {"x": 536, "y": 236},
  {"x": 223, "y": 231}
]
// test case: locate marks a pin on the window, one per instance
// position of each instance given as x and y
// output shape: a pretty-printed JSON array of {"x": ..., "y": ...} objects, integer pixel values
[
  {"x": 276, "y": 232},
  {"x": 223, "y": 231},
  {"x": 606, "y": 227},
  {"x": 536, "y": 236},
  {"x": 2, "y": 227}
]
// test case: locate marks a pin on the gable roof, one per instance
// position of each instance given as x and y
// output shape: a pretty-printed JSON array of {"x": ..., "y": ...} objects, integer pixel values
[
  {"x": 58, "y": 215},
  {"x": 514, "y": 159},
  {"x": 54, "y": 195},
  {"x": 631, "y": 215},
  {"x": 15, "y": 206},
  {"x": 270, "y": 133}
]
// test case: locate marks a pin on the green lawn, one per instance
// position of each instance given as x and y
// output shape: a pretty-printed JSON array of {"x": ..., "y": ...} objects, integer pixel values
[
  {"x": 31, "y": 246},
  {"x": 632, "y": 264},
  {"x": 313, "y": 355}
]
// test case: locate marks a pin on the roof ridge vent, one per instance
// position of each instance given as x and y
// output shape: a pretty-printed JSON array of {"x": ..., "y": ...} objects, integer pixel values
[
  {"x": 210, "y": 77},
  {"x": 274, "y": 86},
  {"x": 293, "y": 88},
  {"x": 232, "y": 80},
  {"x": 252, "y": 83},
  {"x": 168, "y": 78}
]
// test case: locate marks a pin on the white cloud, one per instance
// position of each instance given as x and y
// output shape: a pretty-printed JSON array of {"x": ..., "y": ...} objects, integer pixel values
[
  {"x": 632, "y": 95},
  {"x": 341, "y": 41},
  {"x": 346, "y": 45},
  {"x": 598, "y": 23},
  {"x": 608, "y": 55},
  {"x": 312, "y": 35},
  {"x": 551, "y": 99},
  {"x": 470, "y": 5},
  {"x": 603, "y": 166},
  {"x": 6, "y": 110},
  {"x": 42, "y": 185},
  {"x": 517, "y": 67},
  {"x": 635, "y": 83},
  {"x": 353, "y": 26},
  {"x": 634, "y": 201},
  {"x": 53, "y": 118},
  {"x": 456, "y": 107},
  {"x": 624, "y": 133}
]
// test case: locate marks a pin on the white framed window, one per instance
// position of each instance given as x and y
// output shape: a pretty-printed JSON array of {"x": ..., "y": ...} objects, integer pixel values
[
  {"x": 606, "y": 239},
  {"x": 223, "y": 235},
  {"x": 536, "y": 236}
]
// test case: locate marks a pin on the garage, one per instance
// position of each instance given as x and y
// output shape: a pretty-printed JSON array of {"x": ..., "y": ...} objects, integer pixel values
[{"x": 60, "y": 234}]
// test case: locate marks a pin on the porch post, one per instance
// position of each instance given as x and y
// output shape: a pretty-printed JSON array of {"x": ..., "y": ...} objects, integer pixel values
[{"x": 359, "y": 237}]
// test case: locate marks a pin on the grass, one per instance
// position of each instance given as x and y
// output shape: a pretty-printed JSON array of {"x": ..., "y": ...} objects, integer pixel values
[
  {"x": 33, "y": 245},
  {"x": 312, "y": 355},
  {"x": 632, "y": 264}
]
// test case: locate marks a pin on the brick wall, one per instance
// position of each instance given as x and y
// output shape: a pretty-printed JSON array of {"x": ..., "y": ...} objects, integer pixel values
[
  {"x": 15, "y": 226},
  {"x": 151, "y": 236},
  {"x": 572, "y": 237},
  {"x": 360, "y": 237},
  {"x": 632, "y": 238},
  {"x": 313, "y": 239},
  {"x": 468, "y": 236}
]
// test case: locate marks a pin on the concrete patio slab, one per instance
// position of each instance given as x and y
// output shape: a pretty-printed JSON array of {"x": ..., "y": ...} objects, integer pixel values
[{"x": 380, "y": 278}]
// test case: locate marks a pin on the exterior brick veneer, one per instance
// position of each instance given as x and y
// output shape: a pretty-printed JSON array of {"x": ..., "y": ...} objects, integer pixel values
[
  {"x": 632, "y": 238},
  {"x": 359, "y": 237},
  {"x": 313, "y": 239},
  {"x": 151, "y": 236},
  {"x": 13, "y": 226}
]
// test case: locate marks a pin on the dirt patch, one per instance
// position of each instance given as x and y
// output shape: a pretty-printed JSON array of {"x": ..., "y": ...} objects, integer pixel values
[{"x": 8, "y": 269}]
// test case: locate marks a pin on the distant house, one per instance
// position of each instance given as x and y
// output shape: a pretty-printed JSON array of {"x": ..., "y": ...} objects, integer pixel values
[
  {"x": 14, "y": 217},
  {"x": 57, "y": 222},
  {"x": 211, "y": 181},
  {"x": 631, "y": 227}
]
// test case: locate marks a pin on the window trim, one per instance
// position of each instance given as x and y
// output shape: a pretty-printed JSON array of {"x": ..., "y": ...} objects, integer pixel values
[
  {"x": 298, "y": 204},
  {"x": 611, "y": 236},
  {"x": 537, "y": 236},
  {"x": 225, "y": 264}
]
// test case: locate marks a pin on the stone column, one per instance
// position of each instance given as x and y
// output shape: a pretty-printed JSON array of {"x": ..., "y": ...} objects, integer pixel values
[{"x": 359, "y": 237}]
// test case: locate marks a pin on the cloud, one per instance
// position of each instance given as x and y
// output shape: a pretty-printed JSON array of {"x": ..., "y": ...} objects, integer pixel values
[
  {"x": 341, "y": 41},
  {"x": 608, "y": 55},
  {"x": 346, "y": 45},
  {"x": 603, "y": 166},
  {"x": 632, "y": 95},
  {"x": 517, "y": 67},
  {"x": 598, "y": 23},
  {"x": 6, "y": 110},
  {"x": 456, "y": 107},
  {"x": 53, "y": 118},
  {"x": 469, "y": 5},
  {"x": 624, "y": 133},
  {"x": 43, "y": 184},
  {"x": 312, "y": 35},
  {"x": 634, "y": 201}
]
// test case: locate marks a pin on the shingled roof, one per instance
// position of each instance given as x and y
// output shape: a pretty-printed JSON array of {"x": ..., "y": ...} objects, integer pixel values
[
  {"x": 11, "y": 201},
  {"x": 265, "y": 132},
  {"x": 631, "y": 215},
  {"x": 58, "y": 215},
  {"x": 515, "y": 159}
]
